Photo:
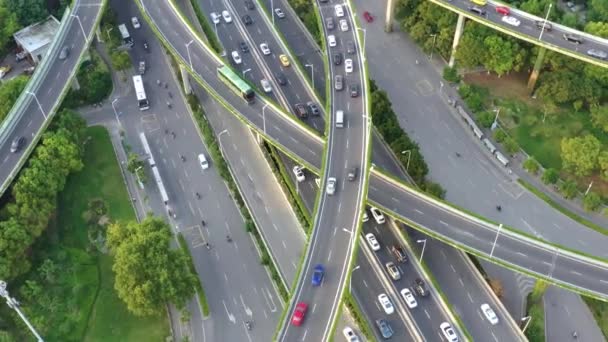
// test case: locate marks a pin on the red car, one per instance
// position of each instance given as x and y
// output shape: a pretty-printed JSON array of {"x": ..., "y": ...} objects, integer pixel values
[
  {"x": 299, "y": 313},
  {"x": 368, "y": 17},
  {"x": 502, "y": 10}
]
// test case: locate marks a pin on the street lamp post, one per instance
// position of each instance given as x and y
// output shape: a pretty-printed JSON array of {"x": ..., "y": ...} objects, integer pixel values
[
  {"x": 188, "y": 50},
  {"x": 542, "y": 30},
  {"x": 527, "y": 319},
  {"x": 423, "y": 242},
  {"x": 312, "y": 74},
  {"x": 409, "y": 155},
  {"x": 108, "y": 32},
  {"x": 433, "y": 47},
  {"x": 14, "y": 304},
  {"x": 38, "y": 102},
  {"x": 81, "y": 28},
  {"x": 264, "y": 117},
  {"x": 246, "y": 71},
  {"x": 495, "y": 239},
  {"x": 219, "y": 140},
  {"x": 272, "y": 10},
  {"x": 350, "y": 283}
]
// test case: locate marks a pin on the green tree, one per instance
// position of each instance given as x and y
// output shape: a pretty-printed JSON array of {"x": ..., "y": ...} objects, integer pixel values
[
  {"x": 531, "y": 165},
  {"x": 28, "y": 11},
  {"x": 568, "y": 189},
  {"x": 592, "y": 201},
  {"x": 9, "y": 26},
  {"x": 580, "y": 154},
  {"x": 598, "y": 10},
  {"x": 597, "y": 29},
  {"x": 603, "y": 161},
  {"x": 599, "y": 117},
  {"x": 570, "y": 20},
  {"x": 550, "y": 176},
  {"x": 148, "y": 272},
  {"x": 9, "y": 92},
  {"x": 511, "y": 145},
  {"x": 451, "y": 74},
  {"x": 120, "y": 60}
]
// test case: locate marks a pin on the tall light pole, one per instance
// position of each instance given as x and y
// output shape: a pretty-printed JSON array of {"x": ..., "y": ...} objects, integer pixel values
[
  {"x": 409, "y": 155},
  {"x": 527, "y": 319},
  {"x": 188, "y": 50},
  {"x": 81, "y": 28},
  {"x": 542, "y": 30},
  {"x": 350, "y": 283},
  {"x": 264, "y": 117},
  {"x": 246, "y": 71},
  {"x": 108, "y": 31},
  {"x": 423, "y": 242},
  {"x": 219, "y": 140},
  {"x": 495, "y": 123},
  {"x": 38, "y": 102},
  {"x": 312, "y": 73},
  {"x": 433, "y": 47},
  {"x": 495, "y": 239},
  {"x": 14, "y": 304},
  {"x": 272, "y": 10},
  {"x": 363, "y": 48}
]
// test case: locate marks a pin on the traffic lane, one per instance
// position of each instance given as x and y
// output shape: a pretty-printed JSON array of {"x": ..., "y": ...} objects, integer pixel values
[
  {"x": 205, "y": 65},
  {"x": 510, "y": 249},
  {"x": 529, "y": 28},
  {"x": 466, "y": 294},
  {"x": 366, "y": 290},
  {"x": 428, "y": 315},
  {"x": 299, "y": 43}
]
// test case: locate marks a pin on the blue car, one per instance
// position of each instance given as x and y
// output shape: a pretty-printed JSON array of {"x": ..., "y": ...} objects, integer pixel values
[{"x": 317, "y": 275}]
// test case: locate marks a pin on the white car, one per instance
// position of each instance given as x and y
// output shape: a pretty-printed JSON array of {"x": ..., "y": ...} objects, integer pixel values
[
  {"x": 343, "y": 25},
  {"x": 265, "y": 49},
  {"x": 331, "y": 40},
  {"x": 489, "y": 313},
  {"x": 377, "y": 214},
  {"x": 373, "y": 243},
  {"x": 203, "y": 161},
  {"x": 215, "y": 18},
  {"x": 135, "y": 22},
  {"x": 511, "y": 20},
  {"x": 236, "y": 57},
  {"x": 339, "y": 11},
  {"x": 331, "y": 185},
  {"x": 409, "y": 299},
  {"x": 386, "y": 304},
  {"x": 350, "y": 335},
  {"x": 448, "y": 332},
  {"x": 266, "y": 85},
  {"x": 299, "y": 173},
  {"x": 227, "y": 17},
  {"x": 279, "y": 12},
  {"x": 348, "y": 65}
]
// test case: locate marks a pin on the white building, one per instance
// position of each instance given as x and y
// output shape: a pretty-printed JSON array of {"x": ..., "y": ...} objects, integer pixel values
[{"x": 34, "y": 40}]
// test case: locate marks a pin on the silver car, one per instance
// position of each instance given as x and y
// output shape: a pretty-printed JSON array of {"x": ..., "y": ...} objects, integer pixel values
[
  {"x": 331, "y": 185},
  {"x": 598, "y": 54},
  {"x": 339, "y": 82},
  {"x": 329, "y": 23},
  {"x": 64, "y": 53}
]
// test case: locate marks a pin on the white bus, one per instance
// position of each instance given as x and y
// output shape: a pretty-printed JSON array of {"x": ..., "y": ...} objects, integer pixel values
[
  {"x": 126, "y": 37},
  {"x": 142, "y": 100}
]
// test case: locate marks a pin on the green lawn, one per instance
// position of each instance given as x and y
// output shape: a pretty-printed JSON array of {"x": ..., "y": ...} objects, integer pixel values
[
  {"x": 600, "y": 312},
  {"x": 109, "y": 319}
]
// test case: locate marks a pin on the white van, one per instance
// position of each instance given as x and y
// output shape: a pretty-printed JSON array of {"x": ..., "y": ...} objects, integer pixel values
[
  {"x": 489, "y": 145},
  {"x": 339, "y": 119},
  {"x": 502, "y": 159},
  {"x": 203, "y": 161}
]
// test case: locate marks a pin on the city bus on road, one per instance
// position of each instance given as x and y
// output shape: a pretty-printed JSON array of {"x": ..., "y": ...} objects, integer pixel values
[
  {"x": 140, "y": 92},
  {"x": 236, "y": 83},
  {"x": 480, "y": 2}
]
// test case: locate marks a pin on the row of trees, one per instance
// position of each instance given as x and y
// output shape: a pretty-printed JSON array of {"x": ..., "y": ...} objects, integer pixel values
[
  {"x": 34, "y": 194},
  {"x": 407, "y": 151},
  {"x": 9, "y": 92}
]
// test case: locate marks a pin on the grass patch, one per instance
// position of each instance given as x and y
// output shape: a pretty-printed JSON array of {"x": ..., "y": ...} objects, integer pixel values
[
  {"x": 561, "y": 209},
  {"x": 87, "y": 275},
  {"x": 355, "y": 311},
  {"x": 200, "y": 291},
  {"x": 307, "y": 14},
  {"x": 535, "y": 332},
  {"x": 599, "y": 309},
  {"x": 95, "y": 83},
  {"x": 207, "y": 29}
]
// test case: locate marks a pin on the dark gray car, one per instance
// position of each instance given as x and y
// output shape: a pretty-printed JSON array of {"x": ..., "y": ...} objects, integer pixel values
[
  {"x": 329, "y": 23},
  {"x": 354, "y": 90},
  {"x": 17, "y": 144},
  {"x": 350, "y": 47},
  {"x": 64, "y": 53},
  {"x": 385, "y": 329},
  {"x": 337, "y": 58},
  {"x": 281, "y": 79}
]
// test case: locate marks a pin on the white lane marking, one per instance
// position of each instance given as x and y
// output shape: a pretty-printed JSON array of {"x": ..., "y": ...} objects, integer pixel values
[
  {"x": 461, "y": 282},
  {"x": 427, "y": 314},
  {"x": 314, "y": 307},
  {"x": 284, "y": 245},
  {"x": 419, "y": 212},
  {"x": 304, "y": 336},
  {"x": 329, "y": 256},
  {"x": 575, "y": 272},
  {"x": 522, "y": 254},
  {"x": 470, "y": 298},
  {"x": 230, "y": 316},
  {"x": 443, "y": 223},
  {"x": 452, "y": 267}
]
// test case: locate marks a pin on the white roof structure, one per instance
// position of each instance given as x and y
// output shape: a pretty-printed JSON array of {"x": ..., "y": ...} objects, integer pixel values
[{"x": 35, "y": 38}]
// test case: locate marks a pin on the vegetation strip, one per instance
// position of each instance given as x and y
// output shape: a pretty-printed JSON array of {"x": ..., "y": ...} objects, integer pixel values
[
  {"x": 200, "y": 291},
  {"x": 207, "y": 29}
]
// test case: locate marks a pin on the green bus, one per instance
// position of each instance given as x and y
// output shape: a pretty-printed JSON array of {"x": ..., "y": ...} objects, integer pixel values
[{"x": 236, "y": 83}]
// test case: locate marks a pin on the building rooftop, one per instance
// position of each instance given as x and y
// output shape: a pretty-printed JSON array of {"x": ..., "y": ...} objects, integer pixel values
[{"x": 37, "y": 35}]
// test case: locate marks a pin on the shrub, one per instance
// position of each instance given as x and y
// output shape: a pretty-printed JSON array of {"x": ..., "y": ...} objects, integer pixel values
[
  {"x": 550, "y": 176},
  {"x": 511, "y": 145},
  {"x": 531, "y": 165},
  {"x": 500, "y": 135},
  {"x": 592, "y": 201},
  {"x": 434, "y": 189},
  {"x": 485, "y": 118},
  {"x": 568, "y": 189},
  {"x": 451, "y": 74}
]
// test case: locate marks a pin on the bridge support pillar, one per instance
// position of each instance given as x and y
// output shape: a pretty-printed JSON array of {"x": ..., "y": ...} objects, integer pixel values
[
  {"x": 457, "y": 35},
  {"x": 186, "y": 80},
  {"x": 540, "y": 59},
  {"x": 390, "y": 10}
]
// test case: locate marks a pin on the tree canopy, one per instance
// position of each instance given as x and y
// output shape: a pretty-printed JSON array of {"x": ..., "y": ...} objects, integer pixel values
[
  {"x": 149, "y": 273},
  {"x": 9, "y": 92},
  {"x": 580, "y": 154}
]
